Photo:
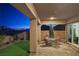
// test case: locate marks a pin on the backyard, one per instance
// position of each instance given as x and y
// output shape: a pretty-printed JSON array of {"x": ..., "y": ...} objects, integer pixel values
[{"x": 20, "y": 48}]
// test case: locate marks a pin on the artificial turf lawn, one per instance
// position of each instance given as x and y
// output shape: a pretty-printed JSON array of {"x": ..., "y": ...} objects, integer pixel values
[{"x": 17, "y": 49}]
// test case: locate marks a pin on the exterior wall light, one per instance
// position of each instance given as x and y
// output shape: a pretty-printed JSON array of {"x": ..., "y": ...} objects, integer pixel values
[{"x": 51, "y": 18}]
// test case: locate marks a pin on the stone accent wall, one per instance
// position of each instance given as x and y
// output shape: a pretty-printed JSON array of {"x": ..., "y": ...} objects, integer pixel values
[
  {"x": 44, "y": 33},
  {"x": 57, "y": 34},
  {"x": 60, "y": 35}
]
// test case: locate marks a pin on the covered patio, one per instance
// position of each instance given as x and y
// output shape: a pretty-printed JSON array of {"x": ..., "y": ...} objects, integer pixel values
[{"x": 53, "y": 14}]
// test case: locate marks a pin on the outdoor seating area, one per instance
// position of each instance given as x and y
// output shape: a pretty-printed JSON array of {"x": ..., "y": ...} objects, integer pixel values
[{"x": 50, "y": 42}]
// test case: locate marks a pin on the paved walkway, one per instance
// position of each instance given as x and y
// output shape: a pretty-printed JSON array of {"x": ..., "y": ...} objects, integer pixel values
[{"x": 62, "y": 50}]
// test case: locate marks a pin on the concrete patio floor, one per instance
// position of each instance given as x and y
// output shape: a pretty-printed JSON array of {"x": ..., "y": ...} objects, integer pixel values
[{"x": 62, "y": 50}]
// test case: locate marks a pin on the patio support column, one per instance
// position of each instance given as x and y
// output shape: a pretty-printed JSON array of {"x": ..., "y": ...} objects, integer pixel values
[
  {"x": 33, "y": 36},
  {"x": 39, "y": 33}
]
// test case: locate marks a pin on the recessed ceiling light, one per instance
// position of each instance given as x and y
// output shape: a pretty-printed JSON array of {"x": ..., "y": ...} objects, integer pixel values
[{"x": 51, "y": 18}]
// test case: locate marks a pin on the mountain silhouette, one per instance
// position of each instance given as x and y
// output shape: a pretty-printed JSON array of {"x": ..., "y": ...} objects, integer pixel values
[{"x": 8, "y": 31}]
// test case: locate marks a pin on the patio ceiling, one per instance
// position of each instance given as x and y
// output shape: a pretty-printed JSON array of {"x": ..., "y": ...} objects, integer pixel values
[
  {"x": 24, "y": 9},
  {"x": 57, "y": 10},
  {"x": 28, "y": 9}
]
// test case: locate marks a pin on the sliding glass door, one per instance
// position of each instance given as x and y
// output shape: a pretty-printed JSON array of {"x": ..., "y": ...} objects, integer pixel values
[
  {"x": 73, "y": 33},
  {"x": 69, "y": 32}
]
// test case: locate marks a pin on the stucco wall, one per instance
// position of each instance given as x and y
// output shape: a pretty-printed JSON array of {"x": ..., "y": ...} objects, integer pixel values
[{"x": 22, "y": 35}]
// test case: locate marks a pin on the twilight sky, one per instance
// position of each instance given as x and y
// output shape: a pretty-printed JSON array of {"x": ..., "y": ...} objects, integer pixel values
[{"x": 13, "y": 18}]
